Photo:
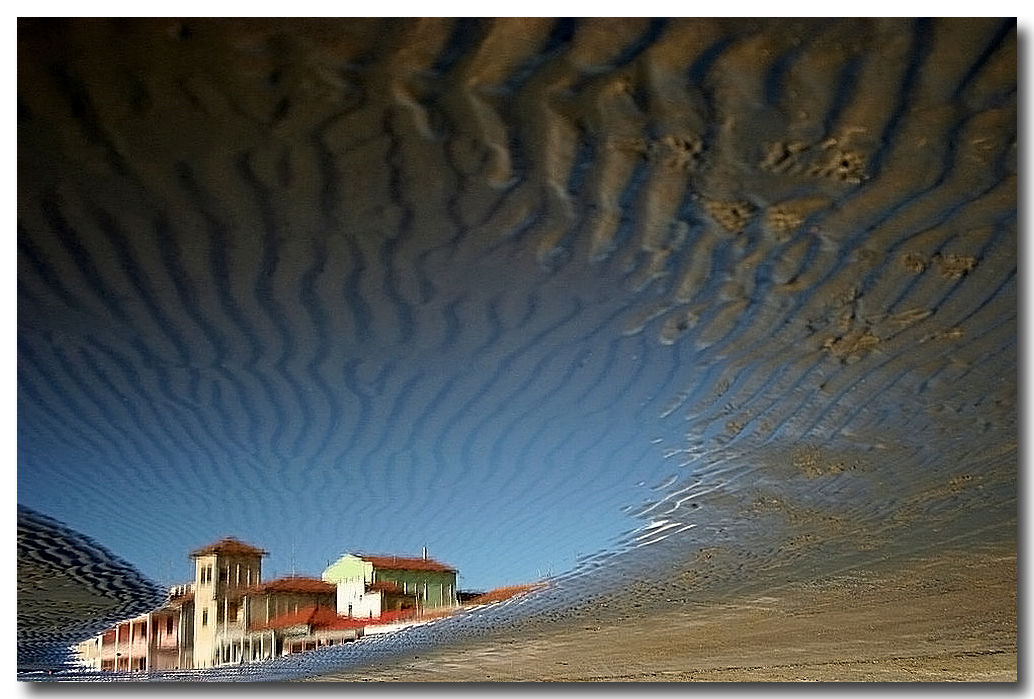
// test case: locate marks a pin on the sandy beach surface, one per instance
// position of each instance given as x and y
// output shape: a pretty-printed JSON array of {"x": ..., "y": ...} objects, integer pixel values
[
  {"x": 717, "y": 314},
  {"x": 945, "y": 619}
]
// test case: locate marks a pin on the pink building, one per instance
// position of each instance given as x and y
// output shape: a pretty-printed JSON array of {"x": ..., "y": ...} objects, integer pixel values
[{"x": 148, "y": 642}]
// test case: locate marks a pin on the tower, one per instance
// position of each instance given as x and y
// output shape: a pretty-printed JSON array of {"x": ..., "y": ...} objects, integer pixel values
[{"x": 223, "y": 570}]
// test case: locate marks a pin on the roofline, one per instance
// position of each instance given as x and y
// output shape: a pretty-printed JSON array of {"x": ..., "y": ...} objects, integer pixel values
[
  {"x": 396, "y": 558},
  {"x": 227, "y": 541}
]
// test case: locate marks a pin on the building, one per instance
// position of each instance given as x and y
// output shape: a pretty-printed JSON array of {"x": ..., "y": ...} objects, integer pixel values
[
  {"x": 223, "y": 571},
  {"x": 369, "y": 586},
  {"x": 307, "y": 628},
  {"x": 228, "y": 615},
  {"x": 147, "y": 642},
  {"x": 276, "y": 618}
]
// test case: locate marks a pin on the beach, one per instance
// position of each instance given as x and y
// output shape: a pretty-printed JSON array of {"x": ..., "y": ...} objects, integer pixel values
[
  {"x": 710, "y": 323},
  {"x": 947, "y": 618}
]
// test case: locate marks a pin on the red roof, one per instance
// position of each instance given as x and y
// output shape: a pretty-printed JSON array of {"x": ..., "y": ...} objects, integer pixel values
[
  {"x": 401, "y": 563},
  {"x": 302, "y": 616},
  {"x": 504, "y": 593},
  {"x": 295, "y": 584},
  {"x": 231, "y": 547},
  {"x": 392, "y": 617},
  {"x": 329, "y": 619},
  {"x": 314, "y": 618}
]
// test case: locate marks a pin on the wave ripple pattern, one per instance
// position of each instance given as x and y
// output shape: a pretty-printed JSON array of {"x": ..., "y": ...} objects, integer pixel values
[
  {"x": 611, "y": 297},
  {"x": 70, "y": 588}
]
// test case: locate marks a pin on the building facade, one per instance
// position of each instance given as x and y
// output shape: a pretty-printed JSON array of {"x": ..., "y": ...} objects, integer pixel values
[
  {"x": 147, "y": 642},
  {"x": 226, "y": 615},
  {"x": 229, "y": 615},
  {"x": 265, "y": 620},
  {"x": 223, "y": 572},
  {"x": 368, "y": 586}
]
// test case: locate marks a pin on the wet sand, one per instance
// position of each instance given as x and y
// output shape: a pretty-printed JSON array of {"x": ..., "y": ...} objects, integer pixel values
[
  {"x": 945, "y": 619},
  {"x": 745, "y": 286}
]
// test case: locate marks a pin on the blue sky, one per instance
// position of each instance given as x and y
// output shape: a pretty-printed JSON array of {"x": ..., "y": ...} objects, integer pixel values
[
  {"x": 507, "y": 454},
  {"x": 376, "y": 289}
]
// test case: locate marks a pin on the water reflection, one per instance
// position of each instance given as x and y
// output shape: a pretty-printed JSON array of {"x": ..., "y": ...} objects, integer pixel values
[{"x": 730, "y": 297}]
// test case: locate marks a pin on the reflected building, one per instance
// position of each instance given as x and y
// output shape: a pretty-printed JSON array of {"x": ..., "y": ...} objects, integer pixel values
[
  {"x": 369, "y": 586},
  {"x": 223, "y": 572},
  {"x": 147, "y": 642},
  {"x": 228, "y": 615}
]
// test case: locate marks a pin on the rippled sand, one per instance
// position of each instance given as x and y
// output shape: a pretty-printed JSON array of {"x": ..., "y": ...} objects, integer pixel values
[
  {"x": 950, "y": 618},
  {"x": 720, "y": 305}
]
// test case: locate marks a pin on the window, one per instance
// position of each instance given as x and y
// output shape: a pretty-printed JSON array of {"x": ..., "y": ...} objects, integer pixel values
[
  {"x": 204, "y": 617},
  {"x": 168, "y": 626}
]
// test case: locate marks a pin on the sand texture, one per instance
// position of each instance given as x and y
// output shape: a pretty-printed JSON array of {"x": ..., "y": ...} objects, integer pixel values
[
  {"x": 947, "y": 620},
  {"x": 670, "y": 312}
]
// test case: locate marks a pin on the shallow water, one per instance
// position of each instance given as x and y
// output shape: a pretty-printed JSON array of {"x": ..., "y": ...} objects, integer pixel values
[{"x": 609, "y": 302}]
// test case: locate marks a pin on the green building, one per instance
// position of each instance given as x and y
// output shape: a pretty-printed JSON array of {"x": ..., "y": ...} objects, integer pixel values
[{"x": 368, "y": 586}]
